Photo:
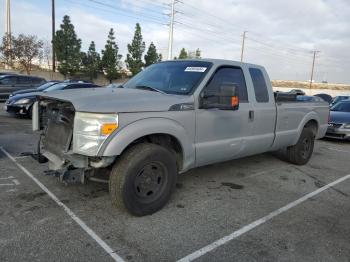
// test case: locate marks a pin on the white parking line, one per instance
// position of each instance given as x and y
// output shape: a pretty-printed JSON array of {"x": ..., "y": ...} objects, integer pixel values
[
  {"x": 80, "y": 222},
  {"x": 258, "y": 222},
  {"x": 338, "y": 150},
  {"x": 6, "y": 177}
]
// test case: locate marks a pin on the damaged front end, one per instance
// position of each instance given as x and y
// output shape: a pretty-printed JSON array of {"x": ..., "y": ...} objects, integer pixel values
[{"x": 71, "y": 140}]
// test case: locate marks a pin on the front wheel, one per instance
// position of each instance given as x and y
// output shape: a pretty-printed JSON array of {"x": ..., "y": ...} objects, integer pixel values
[
  {"x": 143, "y": 179},
  {"x": 301, "y": 153}
]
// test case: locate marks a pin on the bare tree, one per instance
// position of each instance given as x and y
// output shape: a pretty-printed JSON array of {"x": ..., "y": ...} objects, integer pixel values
[
  {"x": 47, "y": 54},
  {"x": 7, "y": 55},
  {"x": 26, "y": 48}
]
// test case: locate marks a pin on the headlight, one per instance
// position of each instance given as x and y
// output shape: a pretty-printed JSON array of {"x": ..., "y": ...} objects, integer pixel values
[
  {"x": 91, "y": 130},
  {"x": 22, "y": 101},
  {"x": 347, "y": 126}
]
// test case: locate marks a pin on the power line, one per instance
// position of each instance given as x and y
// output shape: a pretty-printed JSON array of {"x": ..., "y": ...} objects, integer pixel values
[
  {"x": 139, "y": 5},
  {"x": 150, "y": 18},
  {"x": 114, "y": 10},
  {"x": 294, "y": 51},
  {"x": 194, "y": 31},
  {"x": 205, "y": 29},
  {"x": 227, "y": 22}
]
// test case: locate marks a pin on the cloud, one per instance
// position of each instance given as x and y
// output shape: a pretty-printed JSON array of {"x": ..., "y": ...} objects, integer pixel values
[{"x": 281, "y": 34}]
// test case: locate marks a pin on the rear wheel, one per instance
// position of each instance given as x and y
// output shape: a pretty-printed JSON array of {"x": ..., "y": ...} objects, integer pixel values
[
  {"x": 301, "y": 153},
  {"x": 143, "y": 179}
]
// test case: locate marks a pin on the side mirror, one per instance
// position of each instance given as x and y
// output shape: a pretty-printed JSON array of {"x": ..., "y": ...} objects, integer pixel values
[{"x": 226, "y": 98}]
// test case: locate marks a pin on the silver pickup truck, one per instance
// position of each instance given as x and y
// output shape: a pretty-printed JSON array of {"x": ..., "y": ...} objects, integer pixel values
[{"x": 169, "y": 118}]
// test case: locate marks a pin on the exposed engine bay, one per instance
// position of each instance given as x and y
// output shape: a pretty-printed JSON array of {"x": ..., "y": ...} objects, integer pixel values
[{"x": 55, "y": 120}]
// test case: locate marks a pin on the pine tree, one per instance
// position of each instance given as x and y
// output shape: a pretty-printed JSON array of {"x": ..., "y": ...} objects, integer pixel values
[
  {"x": 67, "y": 47},
  {"x": 111, "y": 58},
  {"x": 136, "y": 48},
  {"x": 152, "y": 56},
  {"x": 183, "y": 54},
  {"x": 91, "y": 61}
]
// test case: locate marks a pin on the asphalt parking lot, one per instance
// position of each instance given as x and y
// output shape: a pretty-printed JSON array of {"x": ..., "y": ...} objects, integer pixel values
[{"x": 252, "y": 205}]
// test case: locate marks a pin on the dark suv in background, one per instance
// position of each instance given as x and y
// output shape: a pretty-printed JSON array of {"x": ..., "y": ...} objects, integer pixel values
[{"x": 12, "y": 83}]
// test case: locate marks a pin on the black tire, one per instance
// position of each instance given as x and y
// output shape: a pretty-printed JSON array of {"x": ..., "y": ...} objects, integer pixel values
[
  {"x": 143, "y": 179},
  {"x": 301, "y": 153},
  {"x": 30, "y": 112},
  {"x": 41, "y": 159}
]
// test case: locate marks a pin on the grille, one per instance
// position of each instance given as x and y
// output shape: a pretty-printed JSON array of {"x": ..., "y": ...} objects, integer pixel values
[
  {"x": 57, "y": 119},
  {"x": 335, "y": 125}
]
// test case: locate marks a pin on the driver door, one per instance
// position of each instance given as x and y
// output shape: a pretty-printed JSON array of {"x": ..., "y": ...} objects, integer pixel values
[{"x": 222, "y": 134}]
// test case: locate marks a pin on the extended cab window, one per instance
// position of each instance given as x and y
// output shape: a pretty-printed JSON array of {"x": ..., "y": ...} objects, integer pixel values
[
  {"x": 232, "y": 75},
  {"x": 259, "y": 83}
]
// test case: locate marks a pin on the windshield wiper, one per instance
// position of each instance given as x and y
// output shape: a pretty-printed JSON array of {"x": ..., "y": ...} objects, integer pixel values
[{"x": 150, "y": 88}]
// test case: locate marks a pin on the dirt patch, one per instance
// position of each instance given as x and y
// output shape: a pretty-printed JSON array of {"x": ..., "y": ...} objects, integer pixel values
[
  {"x": 30, "y": 196},
  {"x": 301, "y": 84},
  {"x": 232, "y": 185}
]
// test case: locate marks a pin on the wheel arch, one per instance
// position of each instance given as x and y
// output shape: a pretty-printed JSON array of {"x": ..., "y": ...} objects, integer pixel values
[
  {"x": 310, "y": 120},
  {"x": 161, "y": 131}
]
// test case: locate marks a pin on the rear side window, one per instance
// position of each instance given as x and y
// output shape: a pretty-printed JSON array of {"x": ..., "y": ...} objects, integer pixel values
[
  {"x": 37, "y": 80},
  {"x": 9, "y": 80},
  {"x": 24, "y": 80},
  {"x": 259, "y": 83},
  {"x": 232, "y": 75}
]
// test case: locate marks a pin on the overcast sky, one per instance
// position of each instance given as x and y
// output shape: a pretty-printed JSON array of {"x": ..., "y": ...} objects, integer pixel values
[{"x": 281, "y": 34}]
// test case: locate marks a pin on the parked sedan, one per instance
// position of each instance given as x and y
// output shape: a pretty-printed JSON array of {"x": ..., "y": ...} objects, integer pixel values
[
  {"x": 38, "y": 89},
  {"x": 12, "y": 83},
  {"x": 339, "y": 98},
  {"x": 22, "y": 104},
  {"x": 339, "y": 123}
]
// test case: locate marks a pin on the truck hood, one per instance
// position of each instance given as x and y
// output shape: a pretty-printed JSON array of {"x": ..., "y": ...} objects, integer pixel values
[{"x": 118, "y": 100}]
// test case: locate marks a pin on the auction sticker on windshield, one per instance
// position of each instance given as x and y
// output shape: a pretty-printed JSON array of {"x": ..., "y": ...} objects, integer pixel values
[{"x": 195, "y": 69}]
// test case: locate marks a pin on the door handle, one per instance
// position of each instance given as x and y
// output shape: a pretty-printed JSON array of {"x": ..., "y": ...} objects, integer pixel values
[{"x": 251, "y": 115}]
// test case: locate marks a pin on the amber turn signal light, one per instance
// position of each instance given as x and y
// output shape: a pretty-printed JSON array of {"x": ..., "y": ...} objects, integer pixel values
[
  {"x": 234, "y": 101},
  {"x": 108, "y": 128}
]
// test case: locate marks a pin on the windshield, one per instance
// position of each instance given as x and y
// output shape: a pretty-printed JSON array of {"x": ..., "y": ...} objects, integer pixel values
[
  {"x": 173, "y": 77},
  {"x": 339, "y": 98},
  {"x": 56, "y": 87},
  {"x": 45, "y": 86},
  {"x": 341, "y": 106}
]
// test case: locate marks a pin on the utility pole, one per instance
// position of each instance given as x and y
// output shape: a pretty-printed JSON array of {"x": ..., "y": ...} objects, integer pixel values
[
  {"x": 313, "y": 66},
  {"x": 8, "y": 28},
  {"x": 53, "y": 36},
  {"x": 243, "y": 42},
  {"x": 171, "y": 27},
  {"x": 171, "y": 30}
]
